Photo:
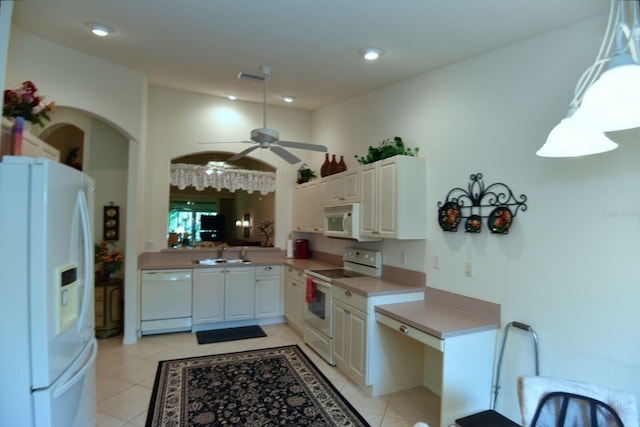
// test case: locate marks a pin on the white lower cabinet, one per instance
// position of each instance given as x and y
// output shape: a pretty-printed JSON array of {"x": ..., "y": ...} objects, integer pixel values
[
  {"x": 350, "y": 340},
  {"x": 294, "y": 290},
  {"x": 239, "y": 293},
  {"x": 222, "y": 294},
  {"x": 355, "y": 339},
  {"x": 208, "y": 295},
  {"x": 268, "y": 297}
]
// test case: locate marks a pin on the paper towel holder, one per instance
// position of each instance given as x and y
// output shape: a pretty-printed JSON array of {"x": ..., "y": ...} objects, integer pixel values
[{"x": 289, "y": 247}]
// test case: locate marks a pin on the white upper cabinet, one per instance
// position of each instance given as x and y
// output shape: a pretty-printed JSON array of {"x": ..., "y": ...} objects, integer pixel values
[
  {"x": 308, "y": 202},
  {"x": 344, "y": 187},
  {"x": 32, "y": 146},
  {"x": 391, "y": 193},
  {"x": 393, "y": 198}
]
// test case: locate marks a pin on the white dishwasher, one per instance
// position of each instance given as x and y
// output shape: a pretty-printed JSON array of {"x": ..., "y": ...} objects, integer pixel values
[{"x": 165, "y": 301}]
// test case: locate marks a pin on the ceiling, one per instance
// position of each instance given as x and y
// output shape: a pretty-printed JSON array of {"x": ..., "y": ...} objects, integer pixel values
[{"x": 311, "y": 45}]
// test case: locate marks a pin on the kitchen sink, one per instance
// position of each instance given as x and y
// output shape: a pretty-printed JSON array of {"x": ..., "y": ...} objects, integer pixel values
[{"x": 216, "y": 261}]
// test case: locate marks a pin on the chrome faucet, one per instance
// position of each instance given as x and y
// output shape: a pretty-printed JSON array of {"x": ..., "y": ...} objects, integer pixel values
[
  {"x": 221, "y": 250},
  {"x": 243, "y": 253}
]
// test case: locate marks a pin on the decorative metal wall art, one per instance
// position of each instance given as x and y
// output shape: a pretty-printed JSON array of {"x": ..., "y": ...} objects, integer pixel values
[
  {"x": 495, "y": 203},
  {"x": 111, "y": 222}
]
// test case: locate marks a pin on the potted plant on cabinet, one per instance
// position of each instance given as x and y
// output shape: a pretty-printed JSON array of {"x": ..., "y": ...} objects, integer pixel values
[{"x": 388, "y": 148}]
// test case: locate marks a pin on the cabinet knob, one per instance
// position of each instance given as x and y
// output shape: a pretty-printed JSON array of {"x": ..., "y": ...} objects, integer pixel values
[
  {"x": 268, "y": 268},
  {"x": 404, "y": 329},
  {"x": 347, "y": 293}
]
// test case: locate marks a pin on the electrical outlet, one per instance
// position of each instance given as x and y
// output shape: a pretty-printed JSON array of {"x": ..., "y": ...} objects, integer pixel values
[
  {"x": 436, "y": 262},
  {"x": 403, "y": 257},
  {"x": 468, "y": 269}
]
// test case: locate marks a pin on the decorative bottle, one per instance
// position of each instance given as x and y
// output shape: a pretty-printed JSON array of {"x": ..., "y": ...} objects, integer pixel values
[
  {"x": 342, "y": 166},
  {"x": 333, "y": 166},
  {"x": 324, "y": 169}
]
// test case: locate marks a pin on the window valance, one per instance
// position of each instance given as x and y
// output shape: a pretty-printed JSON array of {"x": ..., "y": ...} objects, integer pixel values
[{"x": 201, "y": 176}]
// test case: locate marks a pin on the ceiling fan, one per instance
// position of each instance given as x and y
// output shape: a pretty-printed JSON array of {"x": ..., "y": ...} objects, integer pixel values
[{"x": 270, "y": 138}]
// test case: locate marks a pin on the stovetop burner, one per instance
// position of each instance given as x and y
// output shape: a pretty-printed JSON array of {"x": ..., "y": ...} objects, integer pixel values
[
  {"x": 334, "y": 273},
  {"x": 356, "y": 263}
]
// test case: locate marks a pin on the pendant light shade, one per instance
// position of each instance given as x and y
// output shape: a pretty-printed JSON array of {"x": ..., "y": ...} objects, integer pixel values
[
  {"x": 567, "y": 140},
  {"x": 613, "y": 101},
  {"x": 607, "y": 96}
]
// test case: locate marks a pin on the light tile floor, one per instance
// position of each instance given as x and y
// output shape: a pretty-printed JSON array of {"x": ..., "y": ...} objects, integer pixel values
[{"x": 125, "y": 377}]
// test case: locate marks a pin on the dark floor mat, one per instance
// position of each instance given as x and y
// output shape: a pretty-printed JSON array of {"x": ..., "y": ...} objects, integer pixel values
[{"x": 230, "y": 334}]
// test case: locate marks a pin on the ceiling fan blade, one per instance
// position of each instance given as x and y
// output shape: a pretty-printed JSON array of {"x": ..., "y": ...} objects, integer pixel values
[
  {"x": 284, "y": 154},
  {"x": 242, "y": 154},
  {"x": 303, "y": 146}
]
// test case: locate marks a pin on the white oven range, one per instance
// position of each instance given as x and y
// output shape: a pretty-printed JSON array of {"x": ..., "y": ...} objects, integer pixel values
[{"x": 318, "y": 312}]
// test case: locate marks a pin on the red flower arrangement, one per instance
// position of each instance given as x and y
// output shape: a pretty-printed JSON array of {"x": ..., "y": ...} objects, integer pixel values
[
  {"x": 26, "y": 102},
  {"x": 108, "y": 258}
]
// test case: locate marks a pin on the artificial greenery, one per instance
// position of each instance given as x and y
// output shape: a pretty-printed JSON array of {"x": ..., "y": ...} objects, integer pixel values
[
  {"x": 388, "y": 148},
  {"x": 304, "y": 175}
]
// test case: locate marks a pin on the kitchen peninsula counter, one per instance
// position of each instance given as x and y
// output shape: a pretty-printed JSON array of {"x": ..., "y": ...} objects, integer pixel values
[{"x": 444, "y": 314}]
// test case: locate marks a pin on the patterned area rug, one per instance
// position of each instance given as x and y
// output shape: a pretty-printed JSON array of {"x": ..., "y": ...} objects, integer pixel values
[{"x": 266, "y": 387}]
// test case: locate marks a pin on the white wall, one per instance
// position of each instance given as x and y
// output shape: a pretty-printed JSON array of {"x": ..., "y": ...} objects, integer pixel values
[
  {"x": 6, "y": 10},
  {"x": 74, "y": 79},
  {"x": 568, "y": 266},
  {"x": 179, "y": 121},
  {"x": 108, "y": 162}
]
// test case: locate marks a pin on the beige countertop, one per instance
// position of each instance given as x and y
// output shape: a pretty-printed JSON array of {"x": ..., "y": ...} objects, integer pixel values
[
  {"x": 375, "y": 286},
  {"x": 444, "y": 314}
]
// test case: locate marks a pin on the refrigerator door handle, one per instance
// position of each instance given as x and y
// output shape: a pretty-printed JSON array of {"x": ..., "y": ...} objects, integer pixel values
[
  {"x": 89, "y": 360},
  {"x": 85, "y": 222}
]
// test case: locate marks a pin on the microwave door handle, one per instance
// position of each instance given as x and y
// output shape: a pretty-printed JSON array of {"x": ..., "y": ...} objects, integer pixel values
[{"x": 345, "y": 222}]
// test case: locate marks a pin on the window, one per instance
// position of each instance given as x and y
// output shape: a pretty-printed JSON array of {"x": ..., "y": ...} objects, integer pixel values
[{"x": 184, "y": 219}]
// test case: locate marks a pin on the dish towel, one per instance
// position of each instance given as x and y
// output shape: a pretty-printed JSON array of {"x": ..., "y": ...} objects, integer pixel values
[{"x": 309, "y": 294}]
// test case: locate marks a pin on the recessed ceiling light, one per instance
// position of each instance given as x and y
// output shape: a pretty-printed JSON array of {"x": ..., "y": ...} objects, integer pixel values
[
  {"x": 232, "y": 97},
  {"x": 371, "y": 53},
  {"x": 289, "y": 99},
  {"x": 99, "y": 29}
]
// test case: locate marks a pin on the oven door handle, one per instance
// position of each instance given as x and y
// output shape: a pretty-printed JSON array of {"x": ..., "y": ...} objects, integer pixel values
[{"x": 321, "y": 284}]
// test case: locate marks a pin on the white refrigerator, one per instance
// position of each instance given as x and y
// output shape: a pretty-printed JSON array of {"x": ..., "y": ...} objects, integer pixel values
[{"x": 47, "y": 340}]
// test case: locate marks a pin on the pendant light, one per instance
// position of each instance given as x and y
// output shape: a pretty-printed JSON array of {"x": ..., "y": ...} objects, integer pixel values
[{"x": 607, "y": 97}]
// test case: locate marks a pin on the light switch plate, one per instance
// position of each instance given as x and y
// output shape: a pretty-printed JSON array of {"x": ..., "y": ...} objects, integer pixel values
[{"x": 468, "y": 269}]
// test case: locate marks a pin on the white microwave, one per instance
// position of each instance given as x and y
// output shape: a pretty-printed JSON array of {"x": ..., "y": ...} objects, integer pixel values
[{"x": 343, "y": 221}]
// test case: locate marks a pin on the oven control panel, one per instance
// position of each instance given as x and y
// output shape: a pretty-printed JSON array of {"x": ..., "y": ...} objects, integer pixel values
[{"x": 364, "y": 257}]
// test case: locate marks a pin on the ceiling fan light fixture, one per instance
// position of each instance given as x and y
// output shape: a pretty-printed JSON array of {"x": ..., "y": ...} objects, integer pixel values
[
  {"x": 371, "y": 53},
  {"x": 99, "y": 30}
]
